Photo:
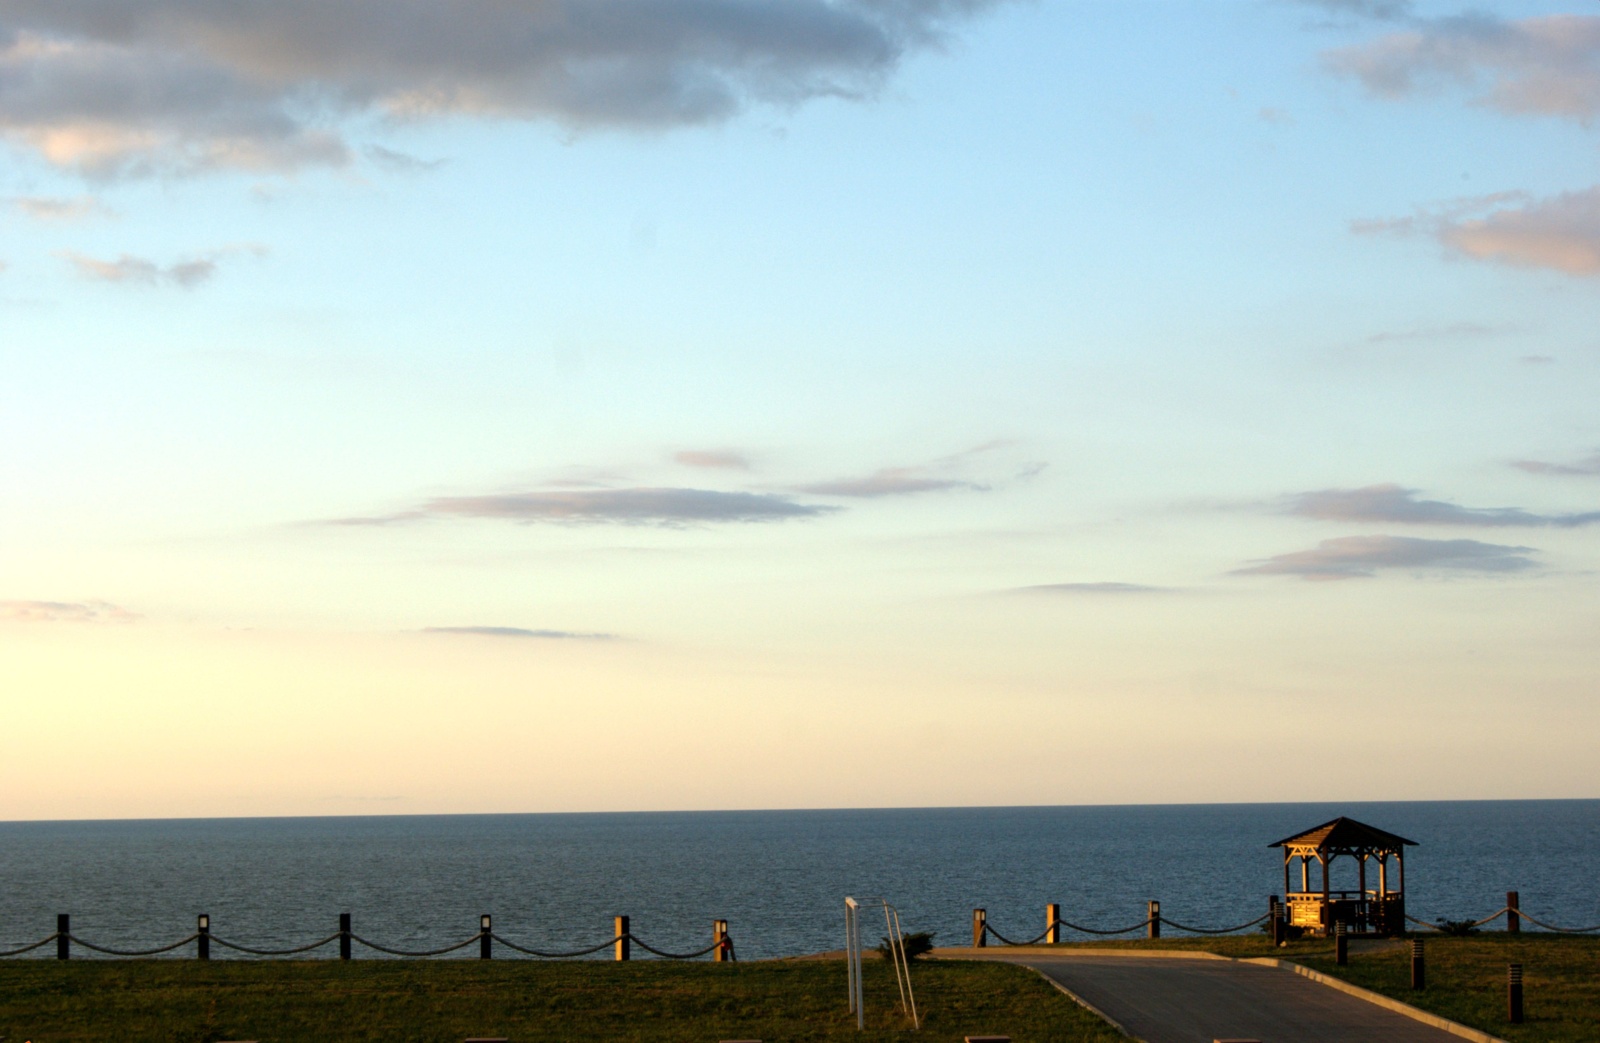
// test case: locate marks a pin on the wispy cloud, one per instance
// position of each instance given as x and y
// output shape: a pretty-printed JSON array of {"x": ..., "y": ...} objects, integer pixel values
[
  {"x": 639, "y": 506},
  {"x": 1589, "y": 466},
  {"x": 58, "y": 208},
  {"x": 1359, "y": 557},
  {"x": 520, "y": 632},
  {"x": 1377, "y": 10},
  {"x": 1114, "y": 589},
  {"x": 714, "y": 459},
  {"x": 1390, "y": 503},
  {"x": 64, "y": 612},
  {"x": 1561, "y": 233},
  {"x": 1451, "y": 331},
  {"x": 1546, "y": 66},
  {"x": 141, "y": 271},
  {"x": 890, "y": 481},
  {"x": 142, "y": 87},
  {"x": 400, "y": 162}
]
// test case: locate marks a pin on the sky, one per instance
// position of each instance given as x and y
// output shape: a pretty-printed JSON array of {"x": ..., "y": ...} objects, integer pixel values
[{"x": 457, "y": 406}]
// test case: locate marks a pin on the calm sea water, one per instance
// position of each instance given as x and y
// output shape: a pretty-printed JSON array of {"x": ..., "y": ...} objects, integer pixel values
[{"x": 780, "y": 877}]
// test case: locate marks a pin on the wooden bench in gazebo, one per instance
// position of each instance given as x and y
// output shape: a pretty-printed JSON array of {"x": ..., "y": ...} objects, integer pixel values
[{"x": 1380, "y": 910}]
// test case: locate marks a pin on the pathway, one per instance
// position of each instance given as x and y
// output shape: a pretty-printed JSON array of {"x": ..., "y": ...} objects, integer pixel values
[{"x": 1177, "y": 1000}]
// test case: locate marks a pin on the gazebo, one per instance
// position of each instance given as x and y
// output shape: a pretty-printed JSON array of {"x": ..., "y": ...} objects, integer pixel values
[{"x": 1377, "y": 911}]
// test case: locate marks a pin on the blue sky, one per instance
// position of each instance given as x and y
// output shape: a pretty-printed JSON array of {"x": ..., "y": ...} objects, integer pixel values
[{"x": 802, "y": 381}]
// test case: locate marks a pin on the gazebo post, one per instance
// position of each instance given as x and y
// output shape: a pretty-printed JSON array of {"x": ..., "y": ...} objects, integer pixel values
[
  {"x": 1305, "y": 873},
  {"x": 1383, "y": 875},
  {"x": 1287, "y": 858}
]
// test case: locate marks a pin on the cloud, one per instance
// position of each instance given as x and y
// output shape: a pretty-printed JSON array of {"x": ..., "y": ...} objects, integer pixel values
[
  {"x": 1455, "y": 330},
  {"x": 1561, "y": 232},
  {"x": 1537, "y": 360},
  {"x": 400, "y": 162},
  {"x": 158, "y": 87},
  {"x": 1587, "y": 467},
  {"x": 54, "y": 208},
  {"x": 64, "y": 612},
  {"x": 1394, "y": 504},
  {"x": 712, "y": 458},
  {"x": 1359, "y": 557},
  {"x": 1277, "y": 117},
  {"x": 519, "y": 632},
  {"x": 129, "y": 269},
  {"x": 1545, "y": 66},
  {"x": 1379, "y": 10},
  {"x": 890, "y": 481},
  {"x": 640, "y": 506},
  {"x": 1092, "y": 588}
]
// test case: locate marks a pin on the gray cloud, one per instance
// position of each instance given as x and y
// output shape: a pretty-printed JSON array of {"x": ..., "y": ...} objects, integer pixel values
[
  {"x": 137, "y": 87},
  {"x": 64, "y": 612},
  {"x": 1394, "y": 504},
  {"x": 712, "y": 458},
  {"x": 641, "y": 506},
  {"x": 54, "y": 208},
  {"x": 890, "y": 481},
  {"x": 519, "y": 632},
  {"x": 1452, "y": 331},
  {"x": 1587, "y": 467},
  {"x": 142, "y": 271},
  {"x": 1378, "y": 10},
  {"x": 1092, "y": 588},
  {"x": 400, "y": 162},
  {"x": 1561, "y": 232},
  {"x": 1546, "y": 66},
  {"x": 1358, "y": 557}
]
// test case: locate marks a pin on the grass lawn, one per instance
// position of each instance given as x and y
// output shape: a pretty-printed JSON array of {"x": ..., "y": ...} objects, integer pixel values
[
  {"x": 186, "y": 1001},
  {"x": 1466, "y": 980}
]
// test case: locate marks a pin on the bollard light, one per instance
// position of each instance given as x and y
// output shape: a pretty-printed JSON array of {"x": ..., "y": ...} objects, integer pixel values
[
  {"x": 485, "y": 945},
  {"x": 483, "y": 921},
  {"x": 205, "y": 922}
]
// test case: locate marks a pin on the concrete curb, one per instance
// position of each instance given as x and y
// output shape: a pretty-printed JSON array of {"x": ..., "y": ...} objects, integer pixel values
[
  {"x": 1086, "y": 1005},
  {"x": 1453, "y": 1027}
]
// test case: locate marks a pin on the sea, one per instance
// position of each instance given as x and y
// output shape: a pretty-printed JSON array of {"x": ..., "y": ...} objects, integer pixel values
[{"x": 555, "y": 881}]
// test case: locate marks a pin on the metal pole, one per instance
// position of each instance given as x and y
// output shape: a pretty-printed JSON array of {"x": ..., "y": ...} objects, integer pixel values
[
  {"x": 63, "y": 936},
  {"x": 916, "y": 1022},
  {"x": 1154, "y": 916},
  {"x": 344, "y": 936},
  {"x": 623, "y": 948},
  {"x": 1341, "y": 945},
  {"x": 1419, "y": 969},
  {"x": 485, "y": 943},
  {"x": 1052, "y": 924},
  {"x": 1514, "y": 993},
  {"x": 202, "y": 944}
]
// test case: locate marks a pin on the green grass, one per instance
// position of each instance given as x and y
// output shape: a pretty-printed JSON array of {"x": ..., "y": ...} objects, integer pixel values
[
  {"x": 401, "y": 1002},
  {"x": 1466, "y": 979}
]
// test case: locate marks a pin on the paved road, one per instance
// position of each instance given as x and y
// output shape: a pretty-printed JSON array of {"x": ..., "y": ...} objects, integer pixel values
[{"x": 1197, "y": 1001}]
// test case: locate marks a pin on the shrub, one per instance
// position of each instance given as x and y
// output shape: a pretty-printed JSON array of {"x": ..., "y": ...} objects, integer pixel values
[
  {"x": 1457, "y": 928},
  {"x": 916, "y": 943}
]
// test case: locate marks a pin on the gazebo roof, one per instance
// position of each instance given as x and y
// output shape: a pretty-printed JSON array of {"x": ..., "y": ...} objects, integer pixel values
[{"x": 1345, "y": 833}]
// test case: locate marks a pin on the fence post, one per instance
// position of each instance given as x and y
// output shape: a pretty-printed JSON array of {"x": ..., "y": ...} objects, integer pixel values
[
  {"x": 202, "y": 944},
  {"x": 1341, "y": 945},
  {"x": 719, "y": 938},
  {"x": 1514, "y": 993},
  {"x": 622, "y": 938},
  {"x": 1419, "y": 970},
  {"x": 344, "y": 936},
  {"x": 1052, "y": 924},
  {"x": 980, "y": 929},
  {"x": 1154, "y": 916},
  {"x": 63, "y": 935},
  {"x": 1513, "y": 917},
  {"x": 485, "y": 925}
]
